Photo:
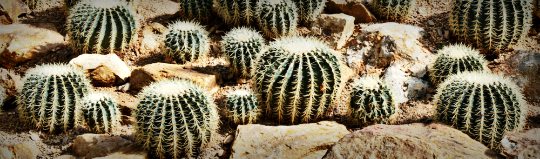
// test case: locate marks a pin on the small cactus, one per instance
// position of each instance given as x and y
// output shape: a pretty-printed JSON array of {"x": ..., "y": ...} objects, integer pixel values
[
  {"x": 241, "y": 45},
  {"x": 454, "y": 59},
  {"x": 483, "y": 105},
  {"x": 309, "y": 10},
  {"x": 277, "y": 17},
  {"x": 492, "y": 25},
  {"x": 297, "y": 79},
  {"x": 236, "y": 12},
  {"x": 175, "y": 119},
  {"x": 101, "y": 26},
  {"x": 100, "y": 112},
  {"x": 51, "y": 95},
  {"x": 186, "y": 41},
  {"x": 200, "y": 10},
  {"x": 371, "y": 101},
  {"x": 393, "y": 9},
  {"x": 242, "y": 106}
]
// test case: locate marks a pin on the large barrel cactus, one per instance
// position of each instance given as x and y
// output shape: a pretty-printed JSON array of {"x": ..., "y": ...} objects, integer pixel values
[
  {"x": 297, "y": 79},
  {"x": 236, "y": 12},
  {"x": 101, "y": 26},
  {"x": 371, "y": 101},
  {"x": 308, "y": 10},
  {"x": 483, "y": 105},
  {"x": 491, "y": 25},
  {"x": 50, "y": 97},
  {"x": 175, "y": 119},
  {"x": 200, "y": 10},
  {"x": 241, "y": 45},
  {"x": 393, "y": 9},
  {"x": 100, "y": 112},
  {"x": 277, "y": 17},
  {"x": 242, "y": 107},
  {"x": 186, "y": 41},
  {"x": 454, "y": 59}
]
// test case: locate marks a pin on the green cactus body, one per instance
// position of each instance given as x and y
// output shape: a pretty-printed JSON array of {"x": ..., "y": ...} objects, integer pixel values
[
  {"x": 241, "y": 45},
  {"x": 308, "y": 10},
  {"x": 483, "y": 105},
  {"x": 236, "y": 12},
  {"x": 371, "y": 101},
  {"x": 101, "y": 26},
  {"x": 100, "y": 112},
  {"x": 242, "y": 106},
  {"x": 186, "y": 42},
  {"x": 175, "y": 119},
  {"x": 297, "y": 79},
  {"x": 454, "y": 59},
  {"x": 491, "y": 25},
  {"x": 200, "y": 10},
  {"x": 277, "y": 17},
  {"x": 393, "y": 9},
  {"x": 50, "y": 97}
]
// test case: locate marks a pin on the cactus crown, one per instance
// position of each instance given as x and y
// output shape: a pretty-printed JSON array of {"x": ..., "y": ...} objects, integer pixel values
[
  {"x": 308, "y": 10},
  {"x": 236, "y": 12},
  {"x": 482, "y": 105},
  {"x": 242, "y": 107},
  {"x": 241, "y": 45},
  {"x": 100, "y": 112},
  {"x": 393, "y": 9},
  {"x": 277, "y": 17},
  {"x": 200, "y": 10},
  {"x": 371, "y": 101},
  {"x": 175, "y": 119},
  {"x": 454, "y": 59},
  {"x": 101, "y": 26},
  {"x": 186, "y": 41},
  {"x": 50, "y": 96}
]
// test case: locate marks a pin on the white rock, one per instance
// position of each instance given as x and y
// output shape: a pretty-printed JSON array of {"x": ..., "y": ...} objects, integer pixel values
[
  {"x": 522, "y": 144},
  {"x": 110, "y": 62},
  {"x": 98, "y": 145},
  {"x": 396, "y": 78},
  {"x": 150, "y": 9},
  {"x": 152, "y": 37},
  {"x": 341, "y": 26}
]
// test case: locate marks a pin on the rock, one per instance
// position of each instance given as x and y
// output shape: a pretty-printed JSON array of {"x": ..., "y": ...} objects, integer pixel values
[
  {"x": 339, "y": 26},
  {"x": 151, "y": 40},
  {"x": 103, "y": 70},
  {"x": 25, "y": 150},
  {"x": 98, "y": 145},
  {"x": 66, "y": 157},
  {"x": 5, "y": 153},
  {"x": 123, "y": 155},
  {"x": 408, "y": 141},
  {"x": 298, "y": 141},
  {"x": 150, "y": 9},
  {"x": 527, "y": 65},
  {"x": 14, "y": 9},
  {"x": 147, "y": 74},
  {"x": 353, "y": 8},
  {"x": 11, "y": 81},
  {"x": 522, "y": 144},
  {"x": 21, "y": 42}
]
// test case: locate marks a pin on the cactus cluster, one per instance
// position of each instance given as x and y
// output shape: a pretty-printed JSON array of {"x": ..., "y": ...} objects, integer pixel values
[
  {"x": 175, "y": 119},
  {"x": 242, "y": 106},
  {"x": 483, "y": 105},
  {"x": 308, "y": 10},
  {"x": 297, "y": 79},
  {"x": 236, "y": 12},
  {"x": 491, "y": 25},
  {"x": 277, "y": 17},
  {"x": 371, "y": 101},
  {"x": 393, "y": 9},
  {"x": 50, "y": 97},
  {"x": 101, "y": 26},
  {"x": 200, "y": 10},
  {"x": 454, "y": 59},
  {"x": 186, "y": 41},
  {"x": 100, "y": 112},
  {"x": 241, "y": 45}
]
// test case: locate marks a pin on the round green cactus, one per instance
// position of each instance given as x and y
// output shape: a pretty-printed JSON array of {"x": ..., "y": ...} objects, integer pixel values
[
  {"x": 242, "y": 106},
  {"x": 236, "y": 12},
  {"x": 393, "y": 9},
  {"x": 50, "y": 97},
  {"x": 200, "y": 10},
  {"x": 297, "y": 79},
  {"x": 101, "y": 26},
  {"x": 241, "y": 45},
  {"x": 483, "y": 105},
  {"x": 454, "y": 59},
  {"x": 371, "y": 101},
  {"x": 491, "y": 25},
  {"x": 175, "y": 119},
  {"x": 100, "y": 112},
  {"x": 277, "y": 17},
  {"x": 186, "y": 41},
  {"x": 308, "y": 10}
]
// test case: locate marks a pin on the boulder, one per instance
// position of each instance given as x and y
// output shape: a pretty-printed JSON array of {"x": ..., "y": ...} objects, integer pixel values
[
  {"x": 151, "y": 39},
  {"x": 525, "y": 144},
  {"x": 353, "y": 8},
  {"x": 124, "y": 155},
  {"x": 103, "y": 70},
  {"x": 21, "y": 42},
  {"x": 20, "y": 151},
  {"x": 408, "y": 141},
  {"x": 150, "y": 9},
  {"x": 339, "y": 27},
  {"x": 13, "y": 9},
  {"x": 98, "y": 145},
  {"x": 298, "y": 141},
  {"x": 66, "y": 157}
]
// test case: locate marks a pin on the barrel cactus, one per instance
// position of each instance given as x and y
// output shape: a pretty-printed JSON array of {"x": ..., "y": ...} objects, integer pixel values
[
  {"x": 241, "y": 45},
  {"x": 277, "y": 17},
  {"x": 483, "y": 105},
  {"x": 308, "y": 10},
  {"x": 371, "y": 101},
  {"x": 100, "y": 112},
  {"x": 186, "y": 41},
  {"x": 200, "y": 10},
  {"x": 393, "y": 9},
  {"x": 242, "y": 106},
  {"x": 297, "y": 79},
  {"x": 175, "y": 119},
  {"x": 50, "y": 97},
  {"x": 454, "y": 59},
  {"x": 491, "y": 25},
  {"x": 236, "y": 12},
  {"x": 101, "y": 26}
]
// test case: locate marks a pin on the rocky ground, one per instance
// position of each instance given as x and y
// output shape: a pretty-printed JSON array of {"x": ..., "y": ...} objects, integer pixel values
[{"x": 408, "y": 46}]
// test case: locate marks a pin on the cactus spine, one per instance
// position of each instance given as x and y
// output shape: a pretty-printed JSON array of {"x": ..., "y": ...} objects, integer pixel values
[
  {"x": 186, "y": 41},
  {"x": 175, "y": 119},
  {"x": 200, "y": 10},
  {"x": 100, "y": 112},
  {"x": 308, "y": 10},
  {"x": 491, "y": 25},
  {"x": 454, "y": 59},
  {"x": 241, "y": 45},
  {"x": 297, "y": 79},
  {"x": 277, "y": 17},
  {"x": 236, "y": 12},
  {"x": 50, "y": 97},
  {"x": 371, "y": 101},
  {"x": 393, "y": 9},
  {"x": 242, "y": 106},
  {"x": 483, "y": 105}
]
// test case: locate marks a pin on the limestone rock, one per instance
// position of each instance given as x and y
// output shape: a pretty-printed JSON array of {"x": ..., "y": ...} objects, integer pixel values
[
  {"x": 408, "y": 141},
  {"x": 66, "y": 157},
  {"x": 14, "y": 9},
  {"x": 20, "y": 151},
  {"x": 299, "y": 141},
  {"x": 151, "y": 40},
  {"x": 338, "y": 26},
  {"x": 522, "y": 144},
  {"x": 150, "y": 9},
  {"x": 103, "y": 70},
  {"x": 98, "y": 145},
  {"x": 124, "y": 155},
  {"x": 353, "y": 8}
]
